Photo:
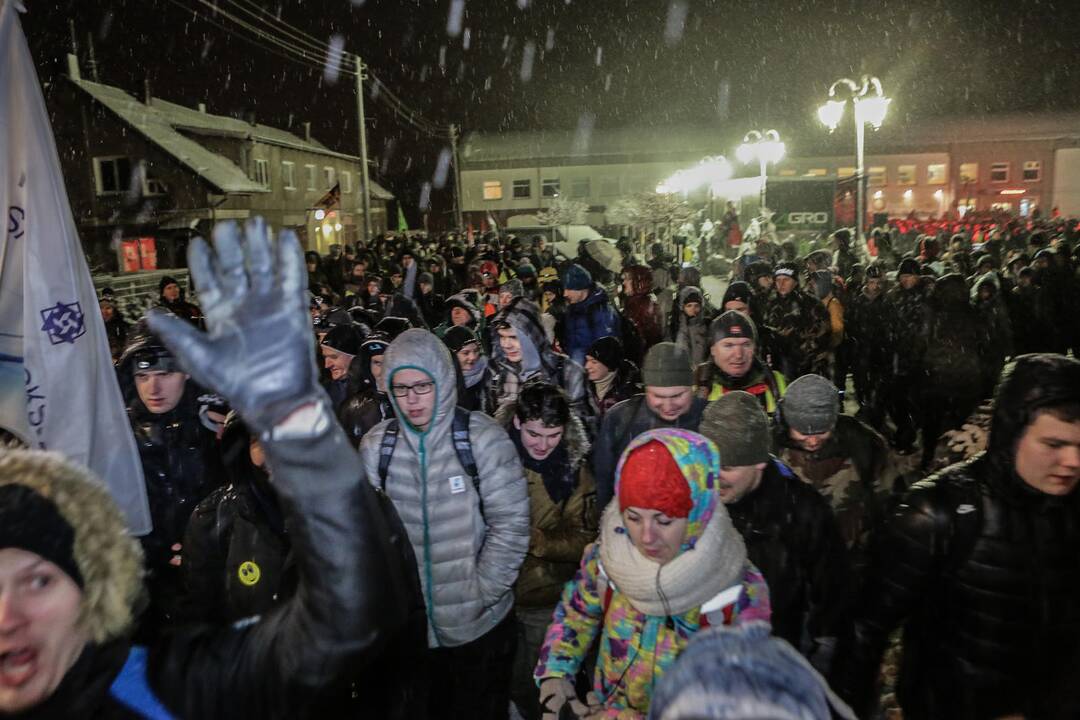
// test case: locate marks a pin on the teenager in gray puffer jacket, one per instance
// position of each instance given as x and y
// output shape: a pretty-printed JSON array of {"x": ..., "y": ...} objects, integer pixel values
[{"x": 469, "y": 545}]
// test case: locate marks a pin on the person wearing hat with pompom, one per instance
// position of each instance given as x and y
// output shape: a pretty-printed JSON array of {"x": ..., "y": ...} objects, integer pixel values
[{"x": 669, "y": 562}]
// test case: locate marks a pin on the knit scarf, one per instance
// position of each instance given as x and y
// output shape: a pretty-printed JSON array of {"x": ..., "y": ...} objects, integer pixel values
[
  {"x": 716, "y": 562},
  {"x": 604, "y": 384},
  {"x": 476, "y": 374}
]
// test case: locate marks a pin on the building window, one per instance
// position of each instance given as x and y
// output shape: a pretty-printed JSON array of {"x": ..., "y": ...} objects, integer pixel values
[
  {"x": 969, "y": 173},
  {"x": 112, "y": 174},
  {"x": 328, "y": 176},
  {"x": 609, "y": 187},
  {"x": 816, "y": 172},
  {"x": 549, "y": 188},
  {"x": 262, "y": 172},
  {"x": 999, "y": 173},
  {"x": 787, "y": 172},
  {"x": 522, "y": 189},
  {"x": 153, "y": 186},
  {"x": 346, "y": 182},
  {"x": 936, "y": 173},
  {"x": 905, "y": 175},
  {"x": 310, "y": 172},
  {"x": 493, "y": 190},
  {"x": 580, "y": 188},
  {"x": 288, "y": 175},
  {"x": 845, "y": 172},
  {"x": 1032, "y": 170},
  {"x": 876, "y": 176}
]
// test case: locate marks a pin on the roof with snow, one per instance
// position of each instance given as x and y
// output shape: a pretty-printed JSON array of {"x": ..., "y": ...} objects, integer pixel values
[{"x": 161, "y": 122}]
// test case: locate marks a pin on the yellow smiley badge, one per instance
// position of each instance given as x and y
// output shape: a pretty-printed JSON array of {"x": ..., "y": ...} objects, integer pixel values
[{"x": 248, "y": 572}]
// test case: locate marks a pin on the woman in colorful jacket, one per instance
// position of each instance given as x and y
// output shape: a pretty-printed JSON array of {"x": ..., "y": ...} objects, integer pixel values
[{"x": 668, "y": 563}]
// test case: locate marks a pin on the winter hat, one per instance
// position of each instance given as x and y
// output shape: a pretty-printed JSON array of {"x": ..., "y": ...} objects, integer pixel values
[
  {"x": 787, "y": 269},
  {"x": 908, "y": 266},
  {"x": 576, "y": 277},
  {"x": 738, "y": 290},
  {"x": 425, "y": 277},
  {"x": 651, "y": 479},
  {"x": 60, "y": 511},
  {"x": 375, "y": 343},
  {"x": 548, "y": 275},
  {"x": 732, "y": 324},
  {"x": 514, "y": 287},
  {"x": 811, "y": 405},
  {"x": 694, "y": 295},
  {"x": 738, "y": 426},
  {"x": 489, "y": 268},
  {"x": 742, "y": 673},
  {"x": 608, "y": 351},
  {"x": 823, "y": 283},
  {"x": 667, "y": 365},
  {"x": 873, "y": 271},
  {"x": 458, "y": 337},
  {"x": 344, "y": 339},
  {"x": 526, "y": 270},
  {"x": 165, "y": 282}
]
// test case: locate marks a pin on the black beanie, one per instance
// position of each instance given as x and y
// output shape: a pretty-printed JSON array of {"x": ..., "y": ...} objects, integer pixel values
[
  {"x": 908, "y": 266},
  {"x": 30, "y": 521},
  {"x": 732, "y": 324},
  {"x": 738, "y": 290},
  {"x": 458, "y": 337},
  {"x": 607, "y": 351},
  {"x": 343, "y": 338},
  {"x": 165, "y": 282}
]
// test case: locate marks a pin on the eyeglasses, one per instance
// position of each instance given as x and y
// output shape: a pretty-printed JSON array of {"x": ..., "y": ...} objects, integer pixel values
[{"x": 420, "y": 388}]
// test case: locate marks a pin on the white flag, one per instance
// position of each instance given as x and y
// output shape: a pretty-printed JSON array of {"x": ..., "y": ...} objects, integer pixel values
[{"x": 58, "y": 388}]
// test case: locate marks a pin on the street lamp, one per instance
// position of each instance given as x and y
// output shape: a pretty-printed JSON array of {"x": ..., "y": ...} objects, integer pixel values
[
  {"x": 710, "y": 171},
  {"x": 765, "y": 147},
  {"x": 870, "y": 107}
]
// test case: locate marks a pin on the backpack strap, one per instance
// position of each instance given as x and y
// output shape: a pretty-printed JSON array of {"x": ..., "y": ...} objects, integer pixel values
[
  {"x": 463, "y": 448},
  {"x": 386, "y": 451}
]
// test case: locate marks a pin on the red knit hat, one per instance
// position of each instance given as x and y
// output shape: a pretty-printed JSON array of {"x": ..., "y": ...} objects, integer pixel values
[{"x": 652, "y": 479}]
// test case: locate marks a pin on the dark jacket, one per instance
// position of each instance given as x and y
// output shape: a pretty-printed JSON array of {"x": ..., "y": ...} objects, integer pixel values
[
  {"x": 588, "y": 321},
  {"x": 800, "y": 329},
  {"x": 363, "y": 411},
  {"x": 911, "y": 309},
  {"x": 792, "y": 537},
  {"x": 984, "y": 574},
  {"x": 622, "y": 424},
  {"x": 626, "y": 384}
]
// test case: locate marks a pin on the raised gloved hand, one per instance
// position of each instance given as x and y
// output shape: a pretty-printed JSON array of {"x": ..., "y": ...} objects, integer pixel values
[
  {"x": 257, "y": 350},
  {"x": 557, "y": 696}
]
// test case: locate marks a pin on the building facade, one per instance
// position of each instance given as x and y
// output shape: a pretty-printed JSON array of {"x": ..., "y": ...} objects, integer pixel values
[{"x": 144, "y": 176}]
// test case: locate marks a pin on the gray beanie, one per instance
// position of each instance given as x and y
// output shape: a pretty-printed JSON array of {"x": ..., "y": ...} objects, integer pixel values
[
  {"x": 667, "y": 365},
  {"x": 811, "y": 405},
  {"x": 738, "y": 426}
]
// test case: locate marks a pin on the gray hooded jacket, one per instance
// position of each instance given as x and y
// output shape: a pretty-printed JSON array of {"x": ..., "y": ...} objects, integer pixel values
[{"x": 468, "y": 560}]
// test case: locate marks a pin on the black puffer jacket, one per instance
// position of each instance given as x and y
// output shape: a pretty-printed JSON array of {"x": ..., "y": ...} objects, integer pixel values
[
  {"x": 792, "y": 537},
  {"x": 985, "y": 573}
]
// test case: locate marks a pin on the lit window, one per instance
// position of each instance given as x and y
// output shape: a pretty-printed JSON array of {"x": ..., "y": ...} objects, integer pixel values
[
  {"x": 999, "y": 173},
  {"x": 112, "y": 174},
  {"x": 346, "y": 182},
  {"x": 580, "y": 188},
  {"x": 905, "y": 175},
  {"x": 522, "y": 189},
  {"x": 310, "y": 172},
  {"x": 550, "y": 188},
  {"x": 876, "y": 176},
  {"x": 937, "y": 173},
  {"x": 609, "y": 187},
  {"x": 969, "y": 173},
  {"x": 845, "y": 172},
  {"x": 1032, "y": 170},
  {"x": 288, "y": 175},
  {"x": 816, "y": 172},
  {"x": 492, "y": 190},
  {"x": 787, "y": 172}
]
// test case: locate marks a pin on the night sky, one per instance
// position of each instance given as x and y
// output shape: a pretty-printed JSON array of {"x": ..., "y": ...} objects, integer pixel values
[{"x": 602, "y": 63}]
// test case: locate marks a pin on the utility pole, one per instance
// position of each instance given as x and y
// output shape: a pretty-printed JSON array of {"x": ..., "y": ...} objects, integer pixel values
[
  {"x": 93, "y": 57},
  {"x": 457, "y": 177},
  {"x": 74, "y": 42},
  {"x": 360, "y": 77}
]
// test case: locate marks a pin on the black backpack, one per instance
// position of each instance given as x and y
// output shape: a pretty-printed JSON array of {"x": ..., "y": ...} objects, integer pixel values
[{"x": 462, "y": 446}]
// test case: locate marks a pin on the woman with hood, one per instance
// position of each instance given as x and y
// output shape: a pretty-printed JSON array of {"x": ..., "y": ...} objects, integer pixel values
[
  {"x": 641, "y": 307},
  {"x": 473, "y": 366},
  {"x": 668, "y": 563}
]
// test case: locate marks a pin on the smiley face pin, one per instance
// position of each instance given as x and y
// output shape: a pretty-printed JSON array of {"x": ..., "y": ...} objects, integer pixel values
[{"x": 248, "y": 572}]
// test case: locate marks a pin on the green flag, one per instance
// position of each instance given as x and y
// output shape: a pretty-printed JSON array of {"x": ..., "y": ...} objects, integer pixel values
[{"x": 402, "y": 225}]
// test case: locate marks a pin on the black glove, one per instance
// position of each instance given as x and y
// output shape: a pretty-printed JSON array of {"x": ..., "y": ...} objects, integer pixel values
[{"x": 257, "y": 350}]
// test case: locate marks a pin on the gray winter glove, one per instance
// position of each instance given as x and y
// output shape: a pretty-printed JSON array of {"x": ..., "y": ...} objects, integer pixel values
[{"x": 258, "y": 351}]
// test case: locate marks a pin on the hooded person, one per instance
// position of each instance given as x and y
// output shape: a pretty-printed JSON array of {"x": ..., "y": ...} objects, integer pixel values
[
  {"x": 741, "y": 673},
  {"x": 640, "y": 305},
  {"x": 691, "y": 329},
  {"x": 966, "y": 548},
  {"x": 460, "y": 310},
  {"x": 473, "y": 366},
  {"x": 456, "y": 481},
  {"x": 669, "y": 563},
  {"x": 521, "y": 351},
  {"x": 370, "y": 405}
]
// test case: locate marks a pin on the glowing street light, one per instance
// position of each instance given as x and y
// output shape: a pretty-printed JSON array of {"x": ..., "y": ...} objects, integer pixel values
[
  {"x": 870, "y": 105},
  {"x": 708, "y": 172},
  {"x": 765, "y": 147}
]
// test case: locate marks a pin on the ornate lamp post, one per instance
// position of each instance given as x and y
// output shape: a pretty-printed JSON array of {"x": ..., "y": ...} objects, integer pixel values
[{"x": 765, "y": 147}]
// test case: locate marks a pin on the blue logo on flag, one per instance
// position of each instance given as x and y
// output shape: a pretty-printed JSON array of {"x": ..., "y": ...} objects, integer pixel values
[{"x": 63, "y": 322}]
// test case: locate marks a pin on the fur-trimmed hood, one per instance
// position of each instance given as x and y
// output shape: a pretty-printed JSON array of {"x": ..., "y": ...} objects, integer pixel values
[{"x": 574, "y": 436}]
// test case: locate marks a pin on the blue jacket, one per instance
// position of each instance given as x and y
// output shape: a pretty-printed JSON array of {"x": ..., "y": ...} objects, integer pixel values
[{"x": 588, "y": 321}]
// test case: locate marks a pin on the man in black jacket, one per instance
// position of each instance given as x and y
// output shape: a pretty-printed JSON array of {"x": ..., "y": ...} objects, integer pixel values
[
  {"x": 789, "y": 529},
  {"x": 979, "y": 564}
]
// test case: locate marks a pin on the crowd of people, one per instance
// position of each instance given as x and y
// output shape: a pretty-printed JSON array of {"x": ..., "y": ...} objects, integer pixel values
[{"x": 575, "y": 487}]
